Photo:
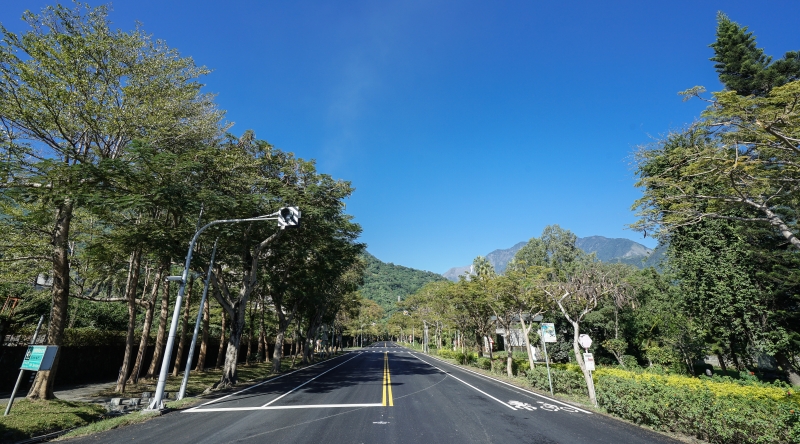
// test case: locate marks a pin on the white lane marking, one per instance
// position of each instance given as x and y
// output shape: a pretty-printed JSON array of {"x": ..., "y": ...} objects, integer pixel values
[
  {"x": 260, "y": 383},
  {"x": 464, "y": 382},
  {"x": 315, "y": 377},
  {"x": 512, "y": 386},
  {"x": 282, "y": 407}
]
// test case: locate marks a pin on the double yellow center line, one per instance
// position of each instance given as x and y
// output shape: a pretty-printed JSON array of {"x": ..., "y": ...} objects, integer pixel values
[{"x": 387, "y": 382}]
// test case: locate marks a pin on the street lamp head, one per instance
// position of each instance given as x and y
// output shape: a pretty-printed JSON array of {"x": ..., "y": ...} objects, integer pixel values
[{"x": 288, "y": 217}]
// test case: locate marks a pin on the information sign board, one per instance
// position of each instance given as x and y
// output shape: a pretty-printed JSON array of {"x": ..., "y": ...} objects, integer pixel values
[
  {"x": 588, "y": 359},
  {"x": 39, "y": 357},
  {"x": 548, "y": 332}
]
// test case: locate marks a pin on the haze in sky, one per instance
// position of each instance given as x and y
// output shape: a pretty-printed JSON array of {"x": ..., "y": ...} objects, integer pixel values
[{"x": 465, "y": 126}]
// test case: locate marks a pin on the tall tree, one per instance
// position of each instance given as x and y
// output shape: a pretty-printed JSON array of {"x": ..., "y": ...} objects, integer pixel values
[{"x": 73, "y": 94}]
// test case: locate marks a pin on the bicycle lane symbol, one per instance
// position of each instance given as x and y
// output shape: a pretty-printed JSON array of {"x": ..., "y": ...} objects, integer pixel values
[{"x": 542, "y": 405}]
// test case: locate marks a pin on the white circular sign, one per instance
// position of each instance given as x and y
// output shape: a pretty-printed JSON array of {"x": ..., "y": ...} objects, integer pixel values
[{"x": 585, "y": 341}]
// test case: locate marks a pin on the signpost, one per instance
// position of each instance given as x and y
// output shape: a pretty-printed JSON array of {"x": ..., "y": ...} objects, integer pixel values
[
  {"x": 588, "y": 360},
  {"x": 548, "y": 334},
  {"x": 22, "y": 368}
]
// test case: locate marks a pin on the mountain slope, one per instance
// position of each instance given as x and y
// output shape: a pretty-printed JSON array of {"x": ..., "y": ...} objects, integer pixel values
[
  {"x": 609, "y": 250},
  {"x": 500, "y": 258},
  {"x": 606, "y": 249},
  {"x": 385, "y": 282}
]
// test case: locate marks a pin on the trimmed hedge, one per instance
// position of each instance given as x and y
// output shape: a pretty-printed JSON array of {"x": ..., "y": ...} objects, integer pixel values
[
  {"x": 716, "y": 410},
  {"x": 721, "y": 416}
]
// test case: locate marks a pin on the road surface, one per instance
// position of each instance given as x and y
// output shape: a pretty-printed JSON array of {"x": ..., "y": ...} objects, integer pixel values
[{"x": 381, "y": 394}]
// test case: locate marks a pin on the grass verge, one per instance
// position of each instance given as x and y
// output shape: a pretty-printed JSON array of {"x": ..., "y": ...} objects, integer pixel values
[
  {"x": 30, "y": 419},
  {"x": 35, "y": 418}
]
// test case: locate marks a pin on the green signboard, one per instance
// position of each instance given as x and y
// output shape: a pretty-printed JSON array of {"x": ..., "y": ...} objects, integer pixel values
[{"x": 39, "y": 357}]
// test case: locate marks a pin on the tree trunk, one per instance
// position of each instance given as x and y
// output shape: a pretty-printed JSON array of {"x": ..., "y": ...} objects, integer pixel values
[
  {"x": 261, "y": 350},
  {"x": 249, "y": 336},
  {"x": 221, "y": 353},
  {"x": 158, "y": 354},
  {"x": 295, "y": 347},
  {"x": 43, "y": 384},
  {"x": 722, "y": 363},
  {"x": 735, "y": 359},
  {"x": 184, "y": 329},
  {"x": 788, "y": 367},
  {"x": 587, "y": 375},
  {"x": 130, "y": 294},
  {"x": 509, "y": 356},
  {"x": 201, "y": 358},
  {"x": 229, "y": 372},
  {"x": 525, "y": 332},
  {"x": 283, "y": 323},
  {"x": 148, "y": 323}
]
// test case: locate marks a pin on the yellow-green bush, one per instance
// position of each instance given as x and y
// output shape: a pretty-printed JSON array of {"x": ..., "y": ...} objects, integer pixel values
[
  {"x": 718, "y": 412},
  {"x": 764, "y": 391}
]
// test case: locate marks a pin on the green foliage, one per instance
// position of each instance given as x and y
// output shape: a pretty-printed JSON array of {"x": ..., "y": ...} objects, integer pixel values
[
  {"x": 716, "y": 419},
  {"x": 567, "y": 378},
  {"x": 743, "y": 67},
  {"x": 484, "y": 363},
  {"x": 630, "y": 361},
  {"x": 385, "y": 282},
  {"x": 460, "y": 357}
]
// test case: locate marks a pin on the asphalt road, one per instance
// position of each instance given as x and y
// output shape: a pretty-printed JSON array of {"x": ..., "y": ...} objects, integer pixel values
[{"x": 382, "y": 394}]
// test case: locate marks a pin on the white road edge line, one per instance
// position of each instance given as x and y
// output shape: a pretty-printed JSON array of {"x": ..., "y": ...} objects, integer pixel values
[
  {"x": 465, "y": 383},
  {"x": 512, "y": 385},
  {"x": 284, "y": 407},
  {"x": 256, "y": 385},
  {"x": 315, "y": 377}
]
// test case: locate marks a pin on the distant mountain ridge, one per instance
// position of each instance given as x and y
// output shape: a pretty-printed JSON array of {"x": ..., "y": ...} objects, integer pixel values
[{"x": 606, "y": 250}]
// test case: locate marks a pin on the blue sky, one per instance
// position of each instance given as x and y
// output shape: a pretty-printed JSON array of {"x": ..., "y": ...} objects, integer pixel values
[{"x": 464, "y": 126}]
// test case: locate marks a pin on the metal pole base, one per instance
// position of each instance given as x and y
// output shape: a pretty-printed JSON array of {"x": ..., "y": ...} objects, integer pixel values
[{"x": 155, "y": 407}]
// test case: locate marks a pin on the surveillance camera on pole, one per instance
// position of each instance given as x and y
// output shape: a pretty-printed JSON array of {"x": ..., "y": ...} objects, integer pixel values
[{"x": 288, "y": 217}]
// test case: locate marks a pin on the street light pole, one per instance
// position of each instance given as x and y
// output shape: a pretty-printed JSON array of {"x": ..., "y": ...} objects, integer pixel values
[
  {"x": 182, "y": 391},
  {"x": 285, "y": 217}
]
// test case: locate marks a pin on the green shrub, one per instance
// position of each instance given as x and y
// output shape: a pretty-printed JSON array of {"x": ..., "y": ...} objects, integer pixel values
[
  {"x": 484, "y": 363},
  {"x": 446, "y": 353},
  {"x": 565, "y": 379},
  {"x": 630, "y": 361},
  {"x": 699, "y": 412},
  {"x": 520, "y": 365}
]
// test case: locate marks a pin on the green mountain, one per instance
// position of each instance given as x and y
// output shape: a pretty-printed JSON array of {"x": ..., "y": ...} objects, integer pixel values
[{"x": 385, "y": 282}]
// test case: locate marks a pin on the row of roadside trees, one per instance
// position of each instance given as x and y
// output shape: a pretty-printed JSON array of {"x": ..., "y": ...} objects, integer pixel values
[{"x": 112, "y": 156}]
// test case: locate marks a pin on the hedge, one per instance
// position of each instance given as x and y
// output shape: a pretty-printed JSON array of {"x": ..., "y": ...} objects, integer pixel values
[{"x": 716, "y": 410}]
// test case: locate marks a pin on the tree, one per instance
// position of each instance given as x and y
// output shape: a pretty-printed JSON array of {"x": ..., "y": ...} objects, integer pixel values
[
  {"x": 580, "y": 293},
  {"x": 73, "y": 95},
  {"x": 528, "y": 299},
  {"x": 743, "y": 67}
]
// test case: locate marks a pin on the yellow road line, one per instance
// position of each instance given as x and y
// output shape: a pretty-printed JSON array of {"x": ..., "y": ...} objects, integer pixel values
[
  {"x": 389, "y": 382},
  {"x": 388, "y": 400}
]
